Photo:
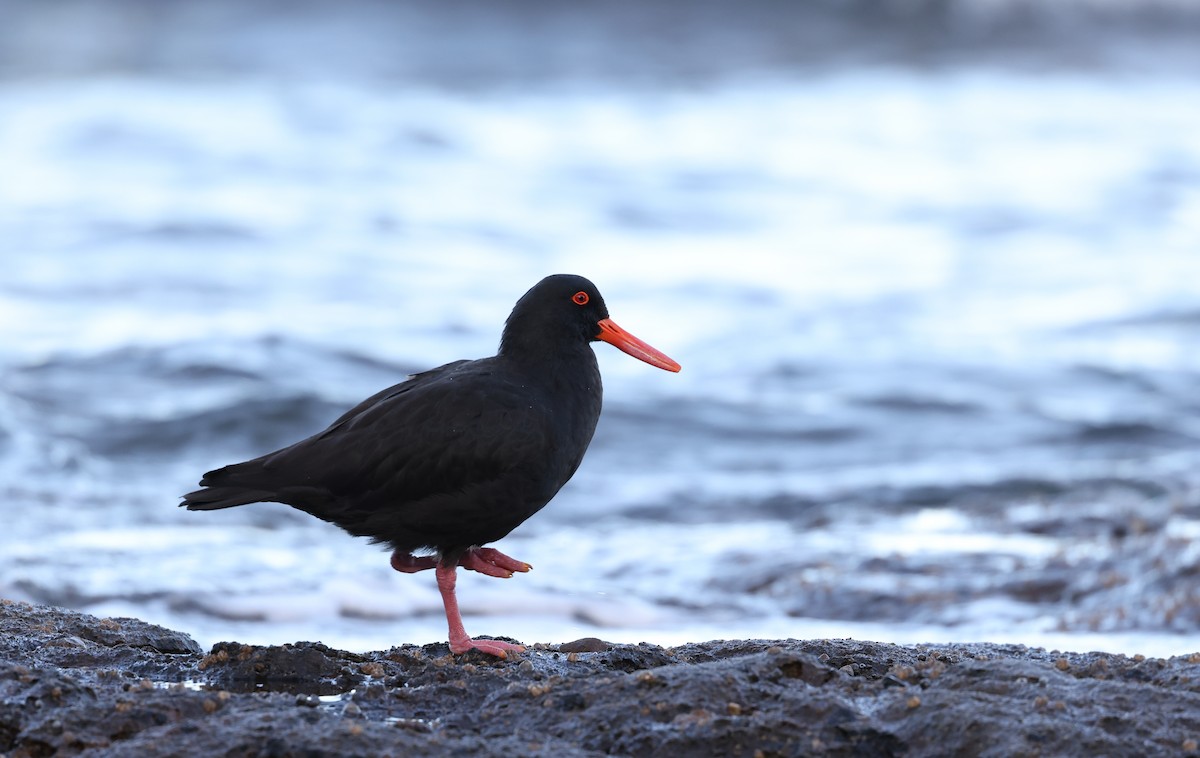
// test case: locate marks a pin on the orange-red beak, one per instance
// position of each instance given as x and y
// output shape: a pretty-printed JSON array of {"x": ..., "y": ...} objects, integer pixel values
[{"x": 630, "y": 345}]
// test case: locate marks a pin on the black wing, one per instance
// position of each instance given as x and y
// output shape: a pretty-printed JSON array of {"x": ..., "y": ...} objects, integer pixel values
[{"x": 447, "y": 431}]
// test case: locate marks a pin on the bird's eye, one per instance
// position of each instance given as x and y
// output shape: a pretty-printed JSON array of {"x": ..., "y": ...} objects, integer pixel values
[{"x": 580, "y": 297}]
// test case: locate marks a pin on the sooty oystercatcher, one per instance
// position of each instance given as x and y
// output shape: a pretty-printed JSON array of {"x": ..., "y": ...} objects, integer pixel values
[{"x": 456, "y": 457}]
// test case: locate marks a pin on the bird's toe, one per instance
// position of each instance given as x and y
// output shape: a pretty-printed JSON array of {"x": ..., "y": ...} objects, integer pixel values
[{"x": 497, "y": 648}]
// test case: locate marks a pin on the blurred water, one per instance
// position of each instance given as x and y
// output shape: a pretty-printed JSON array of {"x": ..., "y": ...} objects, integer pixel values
[{"x": 938, "y": 329}]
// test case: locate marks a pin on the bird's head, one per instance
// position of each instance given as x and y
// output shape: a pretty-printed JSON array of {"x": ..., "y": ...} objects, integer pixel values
[{"x": 568, "y": 309}]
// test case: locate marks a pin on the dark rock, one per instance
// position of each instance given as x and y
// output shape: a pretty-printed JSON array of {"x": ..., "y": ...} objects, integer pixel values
[
  {"x": 43, "y": 635},
  {"x": 72, "y": 683},
  {"x": 304, "y": 667},
  {"x": 585, "y": 645}
]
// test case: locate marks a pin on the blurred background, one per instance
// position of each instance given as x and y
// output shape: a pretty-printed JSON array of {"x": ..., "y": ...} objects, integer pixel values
[{"x": 932, "y": 268}]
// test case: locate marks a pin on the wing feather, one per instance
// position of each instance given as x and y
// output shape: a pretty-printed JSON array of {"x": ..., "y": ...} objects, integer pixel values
[{"x": 443, "y": 432}]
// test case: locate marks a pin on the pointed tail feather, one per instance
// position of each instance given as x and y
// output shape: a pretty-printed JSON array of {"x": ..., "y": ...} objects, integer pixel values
[
  {"x": 215, "y": 498},
  {"x": 225, "y": 487}
]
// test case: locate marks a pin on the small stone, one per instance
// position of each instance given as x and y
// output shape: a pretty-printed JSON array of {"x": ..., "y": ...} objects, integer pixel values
[
  {"x": 733, "y": 709},
  {"x": 1041, "y": 701},
  {"x": 210, "y": 705},
  {"x": 904, "y": 673},
  {"x": 1190, "y": 745},
  {"x": 696, "y": 718},
  {"x": 1061, "y": 664},
  {"x": 645, "y": 677},
  {"x": 584, "y": 645},
  {"x": 913, "y": 702}
]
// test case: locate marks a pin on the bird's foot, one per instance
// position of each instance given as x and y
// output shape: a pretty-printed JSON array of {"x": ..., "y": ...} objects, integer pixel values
[
  {"x": 487, "y": 560},
  {"x": 491, "y": 647},
  {"x": 411, "y": 564},
  {"x": 460, "y": 641}
]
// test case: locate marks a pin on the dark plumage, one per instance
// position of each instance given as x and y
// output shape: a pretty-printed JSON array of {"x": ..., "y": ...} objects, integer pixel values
[{"x": 458, "y": 456}]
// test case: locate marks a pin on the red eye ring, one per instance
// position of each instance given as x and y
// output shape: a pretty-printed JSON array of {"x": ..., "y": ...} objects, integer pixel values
[{"x": 580, "y": 298}]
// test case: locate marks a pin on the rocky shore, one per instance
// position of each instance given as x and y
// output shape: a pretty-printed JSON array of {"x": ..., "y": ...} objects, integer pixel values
[{"x": 71, "y": 684}]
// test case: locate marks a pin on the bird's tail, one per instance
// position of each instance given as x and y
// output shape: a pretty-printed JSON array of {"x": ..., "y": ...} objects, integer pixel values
[
  {"x": 229, "y": 486},
  {"x": 215, "y": 498}
]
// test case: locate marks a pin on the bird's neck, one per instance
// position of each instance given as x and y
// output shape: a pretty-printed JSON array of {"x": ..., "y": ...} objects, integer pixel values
[
  {"x": 552, "y": 359},
  {"x": 568, "y": 381},
  {"x": 563, "y": 367}
]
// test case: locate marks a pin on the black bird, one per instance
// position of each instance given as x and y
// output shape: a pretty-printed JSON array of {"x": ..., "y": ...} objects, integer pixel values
[{"x": 456, "y": 457}]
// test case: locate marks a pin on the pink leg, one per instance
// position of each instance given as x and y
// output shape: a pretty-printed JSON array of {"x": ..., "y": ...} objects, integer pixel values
[
  {"x": 487, "y": 560},
  {"x": 460, "y": 642},
  {"x": 411, "y": 564}
]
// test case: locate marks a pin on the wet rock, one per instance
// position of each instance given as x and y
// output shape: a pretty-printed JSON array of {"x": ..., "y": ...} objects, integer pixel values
[
  {"x": 72, "y": 684},
  {"x": 304, "y": 668},
  {"x": 1101, "y": 554},
  {"x": 43, "y": 635}
]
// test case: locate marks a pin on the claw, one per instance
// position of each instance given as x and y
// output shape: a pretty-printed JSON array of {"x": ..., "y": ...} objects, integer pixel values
[{"x": 492, "y": 562}]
